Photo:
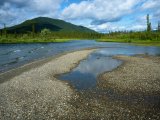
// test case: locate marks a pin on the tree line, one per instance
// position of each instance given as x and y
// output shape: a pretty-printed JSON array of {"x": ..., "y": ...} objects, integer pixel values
[
  {"x": 48, "y": 35},
  {"x": 148, "y": 34}
]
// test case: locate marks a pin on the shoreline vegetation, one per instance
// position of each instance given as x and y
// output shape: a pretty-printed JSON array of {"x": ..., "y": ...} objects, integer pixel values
[
  {"x": 135, "y": 42},
  {"x": 138, "y": 38}
]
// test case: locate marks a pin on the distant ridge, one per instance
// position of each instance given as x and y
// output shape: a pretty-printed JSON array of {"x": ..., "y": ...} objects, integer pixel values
[{"x": 40, "y": 23}]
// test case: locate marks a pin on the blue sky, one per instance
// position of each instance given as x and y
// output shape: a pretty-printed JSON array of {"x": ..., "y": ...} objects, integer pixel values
[{"x": 100, "y": 15}]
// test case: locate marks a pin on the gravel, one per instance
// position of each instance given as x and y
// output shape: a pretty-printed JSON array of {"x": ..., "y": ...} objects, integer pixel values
[
  {"x": 137, "y": 74},
  {"x": 130, "y": 92},
  {"x": 36, "y": 93}
]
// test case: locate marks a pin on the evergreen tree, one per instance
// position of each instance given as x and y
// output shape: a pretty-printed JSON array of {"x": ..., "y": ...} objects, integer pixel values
[
  {"x": 5, "y": 30},
  {"x": 15, "y": 34},
  {"x": 1, "y": 32},
  {"x": 158, "y": 26},
  {"x": 148, "y": 24},
  {"x": 33, "y": 29}
]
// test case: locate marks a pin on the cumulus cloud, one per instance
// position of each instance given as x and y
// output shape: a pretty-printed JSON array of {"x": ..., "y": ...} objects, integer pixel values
[
  {"x": 111, "y": 26},
  {"x": 151, "y": 4},
  {"x": 100, "y": 11},
  {"x": 100, "y": 15},
  {"x": 19, "y": 10},
  {"x": 17, "y": 3},
  {"x": 37, "y": 5},
  {"x": 107, "y": 27},
  {"x": 105, "y": 14},
  {"x": 45, "y": 5},
  {"x": 157, "y": 14}
]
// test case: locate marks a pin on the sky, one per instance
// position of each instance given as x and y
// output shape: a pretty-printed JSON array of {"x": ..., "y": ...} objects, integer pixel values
[{"x": 99, "y": 15}]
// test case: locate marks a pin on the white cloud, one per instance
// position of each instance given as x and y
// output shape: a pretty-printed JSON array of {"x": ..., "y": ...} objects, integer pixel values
[
  {"x": 109, "y": 26},
  {"x": 106, "y": 15},
  {"x": 46, "y": 5},
  {"x": 100, "y": 15},
  {"x": 99, "y": 10},
  {"x": 150, "y": 4},
  {"x": 153, "y": 6},
  {"x": 15, "y": 11},
  {"x": 106, "y": 27}
]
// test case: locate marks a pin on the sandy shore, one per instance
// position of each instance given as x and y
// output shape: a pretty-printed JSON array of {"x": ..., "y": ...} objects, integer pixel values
[
  {"x": 137, "y": 74},
  {"x": 36, "y": 93}
]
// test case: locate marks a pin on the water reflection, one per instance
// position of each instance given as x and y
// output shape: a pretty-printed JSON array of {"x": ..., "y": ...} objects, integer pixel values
[{"x": 84, "y": 76}]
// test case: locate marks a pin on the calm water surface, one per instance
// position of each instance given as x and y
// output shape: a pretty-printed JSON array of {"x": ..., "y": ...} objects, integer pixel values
[
  {"x": 15, "y": 55},
  {"x": 84, "y": 76}
]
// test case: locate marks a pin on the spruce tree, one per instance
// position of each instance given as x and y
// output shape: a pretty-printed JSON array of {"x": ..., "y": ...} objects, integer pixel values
[
  {"x": 33, "y": 29},
  {"x": 1, "y": 32},
  {"x": 148, "y": 24},
  {"x": 158, "y": 26},
  {"x": 5, "y": 30}
]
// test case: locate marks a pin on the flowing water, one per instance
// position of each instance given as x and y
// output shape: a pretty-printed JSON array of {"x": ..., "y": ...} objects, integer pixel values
[{"x": 15, "y": 55}]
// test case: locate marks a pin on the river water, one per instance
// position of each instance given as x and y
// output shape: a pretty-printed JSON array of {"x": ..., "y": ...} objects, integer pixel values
[{"x": 15, "y": 55}]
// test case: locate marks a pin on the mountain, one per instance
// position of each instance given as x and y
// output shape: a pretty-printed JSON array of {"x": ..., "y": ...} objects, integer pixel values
[{"x": 49, "y": 23}]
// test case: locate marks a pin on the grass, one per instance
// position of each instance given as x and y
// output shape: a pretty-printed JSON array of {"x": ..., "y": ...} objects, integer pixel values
[
  {"x": 32, "y": 40},
  {"x": 136, "y": 42},
  {"x": 36, "y": 39},
  {"x": 61, "y": 40},
  {"x": 47, "y": 39}
]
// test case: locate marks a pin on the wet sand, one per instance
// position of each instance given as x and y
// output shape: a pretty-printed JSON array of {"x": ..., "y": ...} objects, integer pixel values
[{"x": 35, "y": 93}]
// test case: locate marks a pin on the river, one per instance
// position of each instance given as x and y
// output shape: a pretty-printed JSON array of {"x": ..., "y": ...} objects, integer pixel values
[{"x": 15, "y": 55}]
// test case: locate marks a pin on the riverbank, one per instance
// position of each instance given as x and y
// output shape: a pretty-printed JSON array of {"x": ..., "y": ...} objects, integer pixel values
[
  {"x": 137, "y": 74},
  {"x": 62, "y": 40},
  {"x": 135, "y": 42},
  {"x": 36, "y": 93},
  {"x": 31, "y": 40}
]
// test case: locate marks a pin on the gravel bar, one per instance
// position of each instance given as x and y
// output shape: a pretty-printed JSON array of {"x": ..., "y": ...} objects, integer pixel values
[
  {"x": 137, "y": 74},
  {"x": 129, "y": 92},
  {"x": 36, "y": 93}
]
